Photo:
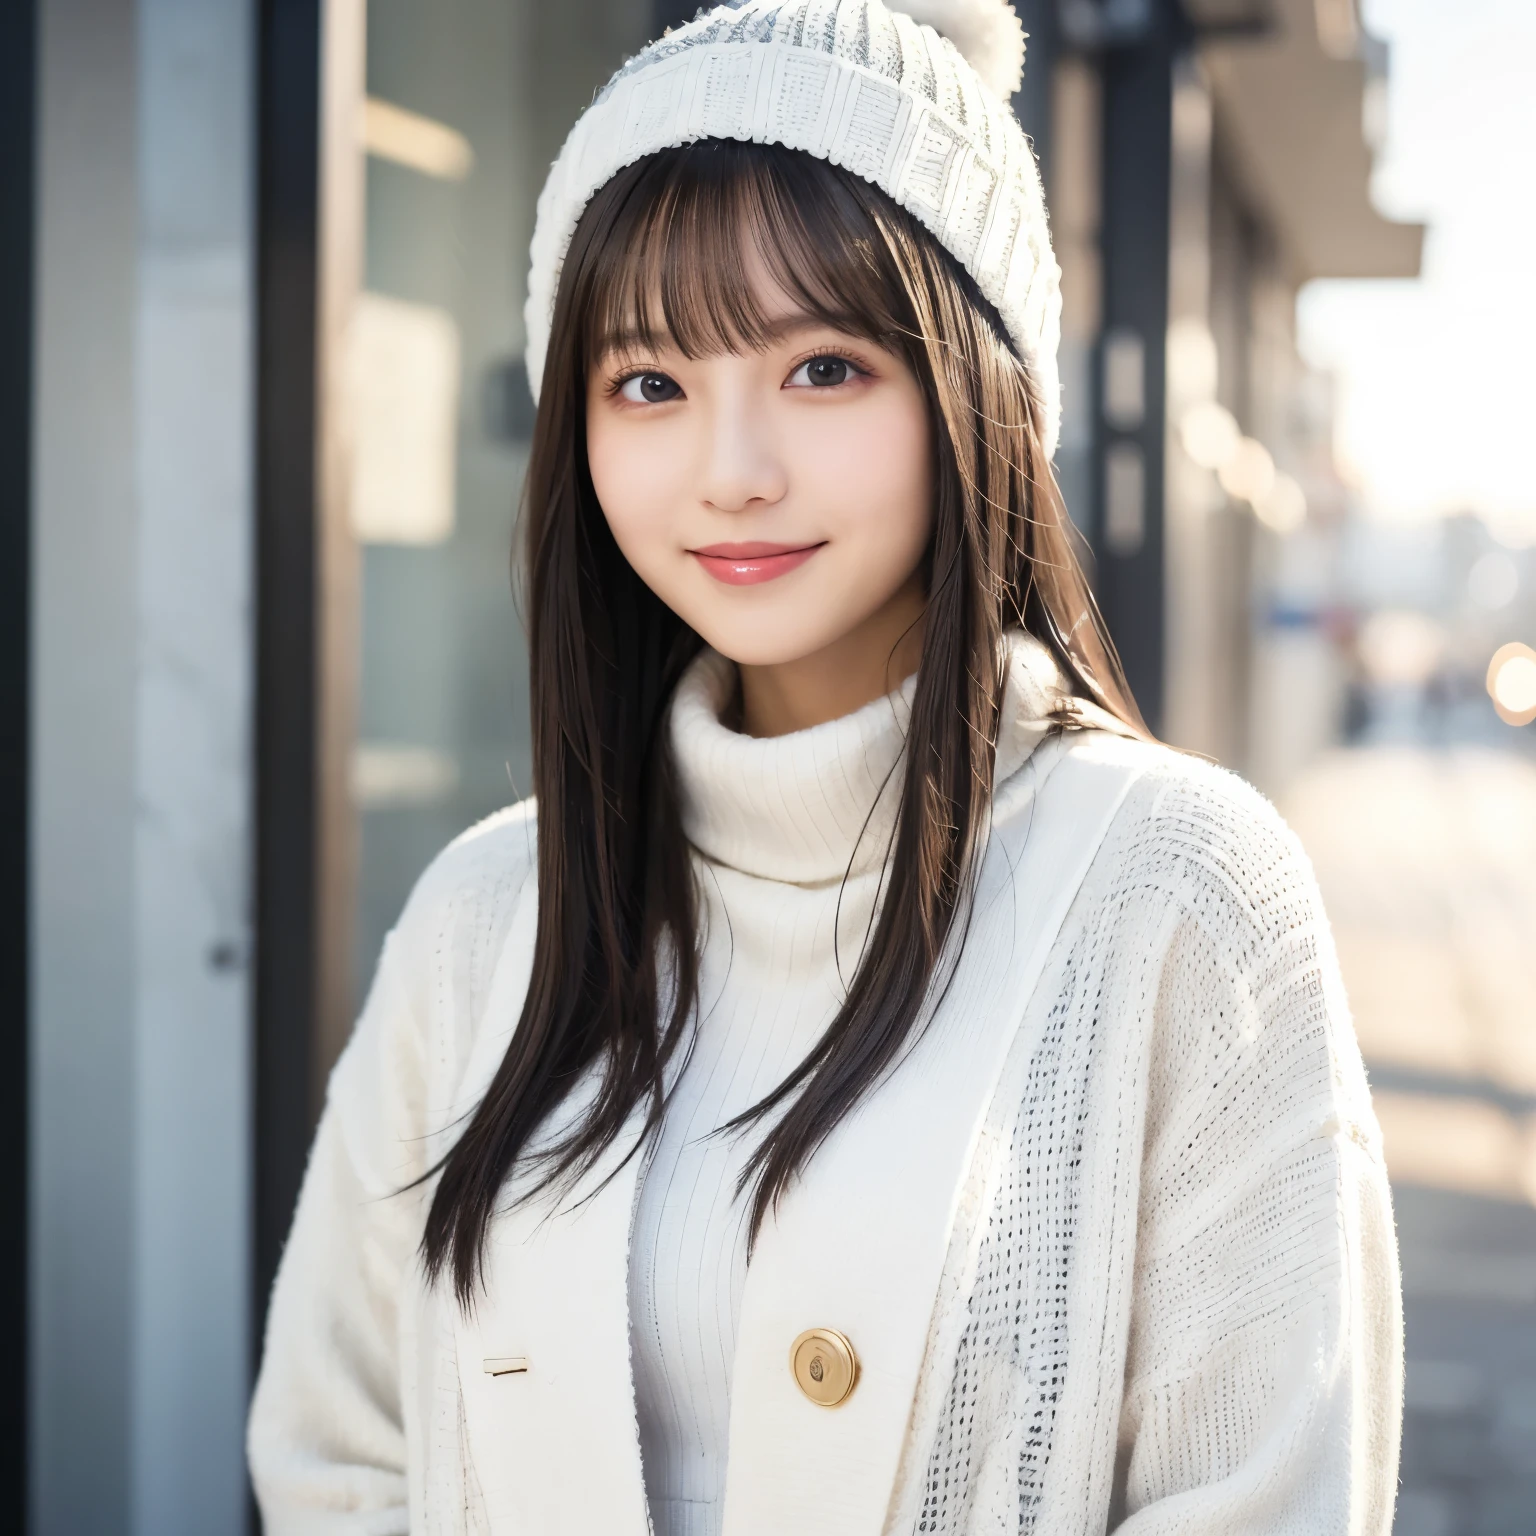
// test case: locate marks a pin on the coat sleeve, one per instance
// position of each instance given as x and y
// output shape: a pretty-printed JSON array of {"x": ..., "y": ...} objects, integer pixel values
[
  {"x": 326, "y": 1440},
  {"x": 1263, "y": 1384}
]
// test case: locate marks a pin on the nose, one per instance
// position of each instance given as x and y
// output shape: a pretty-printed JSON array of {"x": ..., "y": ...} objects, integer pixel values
[{"x": 743, "y": 468}]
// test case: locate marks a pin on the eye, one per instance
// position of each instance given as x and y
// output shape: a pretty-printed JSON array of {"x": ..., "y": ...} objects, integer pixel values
[
  {"x": 822, "y": 372},
  {"x": 649, "y": 389}
]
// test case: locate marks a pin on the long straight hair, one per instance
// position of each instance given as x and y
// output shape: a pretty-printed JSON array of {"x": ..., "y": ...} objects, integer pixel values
[{"x": 664, "y": 250}]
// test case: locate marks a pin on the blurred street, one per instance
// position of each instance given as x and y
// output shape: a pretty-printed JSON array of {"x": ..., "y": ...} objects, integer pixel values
[{"x": 1428, "y": 866}]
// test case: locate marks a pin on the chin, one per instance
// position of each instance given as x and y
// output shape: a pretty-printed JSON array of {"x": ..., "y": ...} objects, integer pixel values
[
  {"x": 759, "y": 651},
  {"x": 762, "y": 642}
]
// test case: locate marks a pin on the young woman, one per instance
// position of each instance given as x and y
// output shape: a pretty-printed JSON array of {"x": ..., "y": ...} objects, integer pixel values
[{"x": 873, "y": 1087}]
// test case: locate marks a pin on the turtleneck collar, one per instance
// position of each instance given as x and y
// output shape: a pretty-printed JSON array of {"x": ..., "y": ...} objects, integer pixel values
[{"x": 808, "y": 808}]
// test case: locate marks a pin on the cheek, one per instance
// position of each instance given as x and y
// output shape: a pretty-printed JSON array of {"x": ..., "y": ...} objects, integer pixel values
[
  {"x": 877, "y": 465},
  {"x": 637, "y": 476}
]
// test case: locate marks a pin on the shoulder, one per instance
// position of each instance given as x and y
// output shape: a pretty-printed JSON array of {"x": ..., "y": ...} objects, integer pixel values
[
  {"x": 1200, "y": 929},
  {"x": 457, "y": 917},
  {"x": 392, "y": 1084},
  {"x": 477, "y": 866},
  {"x": 1198, "y": 844},
  {"x": 1174, "y": 789},
  {"x": 1211, "y": 910}
]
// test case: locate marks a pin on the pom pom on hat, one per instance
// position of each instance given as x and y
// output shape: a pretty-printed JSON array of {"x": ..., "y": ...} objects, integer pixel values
[{"x": 987, "y": 33}]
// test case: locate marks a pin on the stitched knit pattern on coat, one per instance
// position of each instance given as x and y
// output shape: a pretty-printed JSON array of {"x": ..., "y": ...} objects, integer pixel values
[
  {"x": 1249, "y": 1104},
  {"x": 1171, "y": 1297}
]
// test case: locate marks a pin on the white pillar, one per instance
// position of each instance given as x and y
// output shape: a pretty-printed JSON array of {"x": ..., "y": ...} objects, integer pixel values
[
  {"x": 194, "y": 437},
  {"x": 142, "y": 518}
]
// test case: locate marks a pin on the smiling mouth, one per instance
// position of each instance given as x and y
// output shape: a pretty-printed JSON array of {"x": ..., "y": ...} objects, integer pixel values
[{"x": 744, "y": 565}]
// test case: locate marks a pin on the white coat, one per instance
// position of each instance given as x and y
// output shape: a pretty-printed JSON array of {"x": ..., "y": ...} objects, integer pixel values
[{"x": 383, "y": 1407}]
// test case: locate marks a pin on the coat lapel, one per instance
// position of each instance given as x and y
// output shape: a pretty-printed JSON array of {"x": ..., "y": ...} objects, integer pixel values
[
  {"x": 859, "y": 1245},
  {"x": 544, "y": 1363},
  {"x": 544, "y": 1367}
]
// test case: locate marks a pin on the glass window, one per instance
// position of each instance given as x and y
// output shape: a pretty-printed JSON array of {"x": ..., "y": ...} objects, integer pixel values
[{"x": 467, "y": 104}]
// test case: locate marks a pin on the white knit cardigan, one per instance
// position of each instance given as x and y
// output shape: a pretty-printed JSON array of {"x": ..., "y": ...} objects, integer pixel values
[{"x": 1171, "y": 1302}]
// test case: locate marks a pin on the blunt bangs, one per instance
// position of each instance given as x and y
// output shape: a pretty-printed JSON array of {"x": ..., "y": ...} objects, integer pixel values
[{"x": 676, "y": 266}]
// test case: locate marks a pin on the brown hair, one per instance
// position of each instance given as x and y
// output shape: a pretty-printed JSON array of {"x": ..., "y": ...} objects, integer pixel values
[{"x": 661, "y": 249}]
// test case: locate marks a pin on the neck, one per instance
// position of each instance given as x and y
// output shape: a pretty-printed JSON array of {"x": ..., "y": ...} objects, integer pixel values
[{"x": 871, "y": 660}]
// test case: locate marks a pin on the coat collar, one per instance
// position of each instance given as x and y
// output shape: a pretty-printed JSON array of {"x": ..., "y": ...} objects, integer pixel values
[{"x": 859, "y": 1245}]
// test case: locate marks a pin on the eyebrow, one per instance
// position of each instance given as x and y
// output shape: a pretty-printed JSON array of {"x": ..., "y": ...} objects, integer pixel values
[{"x": 632, "y": 340}]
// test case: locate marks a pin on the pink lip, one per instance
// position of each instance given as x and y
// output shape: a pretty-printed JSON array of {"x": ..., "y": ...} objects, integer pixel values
[{"x": 744, "y": 565}]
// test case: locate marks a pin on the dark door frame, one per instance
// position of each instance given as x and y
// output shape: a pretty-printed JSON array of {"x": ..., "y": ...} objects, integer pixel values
[
  {"x": 18, "y": 147},
  {"x": 287, "y": 574}
]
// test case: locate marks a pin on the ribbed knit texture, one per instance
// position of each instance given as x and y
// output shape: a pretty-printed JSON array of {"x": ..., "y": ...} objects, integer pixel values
[
  {"x": 1171, "y": 1301},
  {"x": 775, "y": 825}
]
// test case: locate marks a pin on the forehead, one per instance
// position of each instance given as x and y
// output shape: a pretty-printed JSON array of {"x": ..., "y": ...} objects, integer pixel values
[{"x": 709, "y": 275}]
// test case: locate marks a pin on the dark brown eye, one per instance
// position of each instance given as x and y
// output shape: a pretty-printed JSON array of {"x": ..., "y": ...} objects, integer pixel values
[
  {"x": 820, "y": 372},
  {"x": 652, "y": 388}
]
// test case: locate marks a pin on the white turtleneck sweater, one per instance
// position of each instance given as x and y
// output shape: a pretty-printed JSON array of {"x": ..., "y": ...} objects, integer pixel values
[{"x": 788, "y": 843}]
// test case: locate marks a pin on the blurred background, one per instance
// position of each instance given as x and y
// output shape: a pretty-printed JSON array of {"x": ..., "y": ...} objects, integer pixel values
[{"x": 263, "y": 423}]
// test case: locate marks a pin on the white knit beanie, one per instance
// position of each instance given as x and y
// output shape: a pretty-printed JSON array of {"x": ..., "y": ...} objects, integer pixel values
[{"x": 869, "y": 86}]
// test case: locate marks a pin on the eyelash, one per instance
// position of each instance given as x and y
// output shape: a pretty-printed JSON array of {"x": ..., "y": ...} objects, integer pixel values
[
  {"x": 863, "y": 371},
  {"x": 614, "y": 385},
  {"x": 854, "y": 365}
]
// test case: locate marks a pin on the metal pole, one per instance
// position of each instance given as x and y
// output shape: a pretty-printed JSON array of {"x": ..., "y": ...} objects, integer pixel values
[
  {"x": 1130, "y": 387},
  {"x": 1032, "y": 102},
  {"x": 671, "y": 13},
  {"x": 288, "y": 208}
]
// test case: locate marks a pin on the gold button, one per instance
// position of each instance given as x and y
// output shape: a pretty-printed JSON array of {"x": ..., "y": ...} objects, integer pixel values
[{"x": 824, "y": 1366}]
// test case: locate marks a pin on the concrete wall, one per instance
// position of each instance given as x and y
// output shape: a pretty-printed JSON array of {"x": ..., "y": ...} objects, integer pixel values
[
  {"x": 141, "y": 765},
  {"x": 85, "y": 539}
]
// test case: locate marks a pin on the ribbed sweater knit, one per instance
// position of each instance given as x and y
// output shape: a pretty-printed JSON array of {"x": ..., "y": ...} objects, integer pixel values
[
  {"x": 789, "y": 835},
  {"x": 1171, "y": 1301}
]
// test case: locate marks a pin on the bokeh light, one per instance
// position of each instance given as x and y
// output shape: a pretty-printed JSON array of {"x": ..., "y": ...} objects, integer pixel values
[
  {"x": 1512, "y": 683},
  {"x": 1249, "y": 471},
  {"x": 1210, "y": 434},
  {"x": 1283, "y": 508},
  {"x": 1400, "y": 647}
]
